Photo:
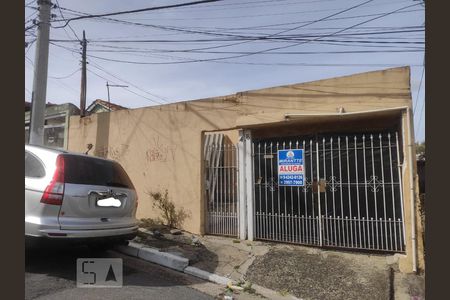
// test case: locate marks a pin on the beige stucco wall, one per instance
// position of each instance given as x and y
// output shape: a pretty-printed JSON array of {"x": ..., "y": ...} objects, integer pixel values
[{"x": 161, "y": 147}]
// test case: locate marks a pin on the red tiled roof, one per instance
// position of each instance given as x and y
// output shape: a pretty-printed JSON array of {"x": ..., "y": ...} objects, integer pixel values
[{"x": 106, "y": 104}]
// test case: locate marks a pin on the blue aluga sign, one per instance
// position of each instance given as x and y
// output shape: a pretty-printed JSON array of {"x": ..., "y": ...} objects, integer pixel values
[{"x": 290, "y": 167}]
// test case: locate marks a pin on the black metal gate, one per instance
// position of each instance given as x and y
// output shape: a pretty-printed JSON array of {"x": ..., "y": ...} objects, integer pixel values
[{"x": 352, "y": 197}]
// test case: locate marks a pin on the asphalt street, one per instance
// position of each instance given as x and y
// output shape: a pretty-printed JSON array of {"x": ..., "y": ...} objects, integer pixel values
[{"x": 51, "y": 274}]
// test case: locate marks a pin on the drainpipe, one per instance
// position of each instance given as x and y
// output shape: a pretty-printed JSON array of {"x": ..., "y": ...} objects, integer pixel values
[{"x": 412, "y": 189}]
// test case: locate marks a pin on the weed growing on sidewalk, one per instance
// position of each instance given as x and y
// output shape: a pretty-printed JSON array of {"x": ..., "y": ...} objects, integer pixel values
[{"x": 172, "y": 217}]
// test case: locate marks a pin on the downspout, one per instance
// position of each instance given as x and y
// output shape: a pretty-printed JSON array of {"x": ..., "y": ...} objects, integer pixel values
[{"x": 412, "y": 190}]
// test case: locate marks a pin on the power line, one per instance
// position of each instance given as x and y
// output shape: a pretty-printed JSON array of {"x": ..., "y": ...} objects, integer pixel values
[
  {"x": 136, "y": 11},
  {"x": 29, "y": 60},
  {"x": 178, "y": 29},
  {"x": 78, "y": 13},
  {"x": 275, "y": 3},
  {"x": 420, "y": 116},
  {"x": 267, "y": 53},
  {"x": 29, "y": 18},
  {"x": 67, "y": 76},
  {"x": 70, "y": 27},
  {"x": 328, "y": 35},
  {"x": 243, "y": 42},
  {"x": 417, "y": 98},
  {"x": 418, "y": 91},
  {"x": 288, "y": 40},
  {"x": 231, "y": 62},
  {"x": 262, "y": 64},
  {"x": 27, "y": 90},
  {"x": 152, "y": 100},
  {"x": 127, "y": 82},
  {"x": 255, "y": 16}
]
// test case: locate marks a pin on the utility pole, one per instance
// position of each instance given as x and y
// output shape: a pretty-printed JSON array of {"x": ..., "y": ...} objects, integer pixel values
[
  {"x": 113, "y": 85},
  {"x": 83, "y": 77},
  {"x": 38, "y": 97}
]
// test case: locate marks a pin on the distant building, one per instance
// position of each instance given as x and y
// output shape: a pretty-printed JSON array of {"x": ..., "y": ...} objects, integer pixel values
[
  {"x": 57, "y": 120},
  {"x": 56, "y": 123},
  {"x": 27, "y": 106},
  {"x": 102, "y": 106}
]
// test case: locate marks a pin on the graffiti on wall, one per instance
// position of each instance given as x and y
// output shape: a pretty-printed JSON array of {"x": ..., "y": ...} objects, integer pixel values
[
  {"x": 160, "y": 152},
  {"x": 113, "y": 152}
]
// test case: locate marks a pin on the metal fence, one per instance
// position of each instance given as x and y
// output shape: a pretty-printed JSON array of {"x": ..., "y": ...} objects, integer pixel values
[
  {"x": 352, "y": 197},
  {"x": 221, "y": 186}
]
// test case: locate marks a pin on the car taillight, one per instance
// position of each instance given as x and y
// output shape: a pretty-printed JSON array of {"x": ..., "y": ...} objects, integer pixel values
[{"x": 54, "y": 192}]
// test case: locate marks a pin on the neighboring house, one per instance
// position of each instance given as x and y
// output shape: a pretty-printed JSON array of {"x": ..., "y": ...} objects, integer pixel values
[
  {"x": 27, "y": 106},
  {"x": 56, "y": 123},
  {"x": 102, "y": 106},
  {"x": 421, "y": 173},
  {"x": 57, "y": 120}
]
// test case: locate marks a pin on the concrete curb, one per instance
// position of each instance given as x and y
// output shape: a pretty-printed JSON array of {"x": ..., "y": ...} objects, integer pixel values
[
  {"x": 207, "y": 276},
  {"x": 182, "y": 264},
  {"x": 155, "y": 256}
]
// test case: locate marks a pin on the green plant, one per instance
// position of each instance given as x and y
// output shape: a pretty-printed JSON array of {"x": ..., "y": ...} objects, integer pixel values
[
  {"x": 170, "y": 215},
  {"x": 420, "y": 148},
  {"x": 284, "y": 293},
  {"x": 149, "y": 223},
  {"x": 248, "y": 288}
]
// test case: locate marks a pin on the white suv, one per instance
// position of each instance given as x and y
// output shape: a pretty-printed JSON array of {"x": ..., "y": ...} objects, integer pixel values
[{"x": 75, "y": 197}]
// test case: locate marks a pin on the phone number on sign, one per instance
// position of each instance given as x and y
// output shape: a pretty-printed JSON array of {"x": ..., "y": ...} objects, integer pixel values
[
  {"x": 283, "y": 177},
  {"x": 291, "y": 182}
]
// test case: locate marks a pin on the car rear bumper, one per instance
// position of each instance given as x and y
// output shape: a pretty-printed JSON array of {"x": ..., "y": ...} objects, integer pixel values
[
  {"x": 46, "y": 241},
  {"x": 53, "y": 233}
]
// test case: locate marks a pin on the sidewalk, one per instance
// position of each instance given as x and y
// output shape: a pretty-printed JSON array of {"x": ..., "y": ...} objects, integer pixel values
[{"x": 291, "y": 270}]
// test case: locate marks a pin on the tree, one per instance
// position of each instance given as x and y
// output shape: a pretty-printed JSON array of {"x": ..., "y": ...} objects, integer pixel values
[{"x": 420, "y": 149}]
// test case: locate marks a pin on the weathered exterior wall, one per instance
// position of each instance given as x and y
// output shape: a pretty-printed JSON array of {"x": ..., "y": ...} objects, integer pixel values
[
  {"x": 161, "y": 147},
  {"x": 406, "y": 262}
]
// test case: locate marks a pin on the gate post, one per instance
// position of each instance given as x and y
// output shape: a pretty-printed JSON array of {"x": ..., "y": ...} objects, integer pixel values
[
  {"x": 242, "y": 213},
  {"x": 249, "y": 183},
  {"x": 246, "y": 210}
]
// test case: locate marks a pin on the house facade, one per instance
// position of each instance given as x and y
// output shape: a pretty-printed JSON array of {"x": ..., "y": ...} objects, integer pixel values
[{"x": 354, "y": 185}]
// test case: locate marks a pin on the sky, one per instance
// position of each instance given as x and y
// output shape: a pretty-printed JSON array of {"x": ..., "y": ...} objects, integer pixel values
[{"x": 225, "y": 47}]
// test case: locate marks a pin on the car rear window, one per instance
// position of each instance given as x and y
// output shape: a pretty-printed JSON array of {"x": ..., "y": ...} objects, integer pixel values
[
  {"x": 94, "y": 171},
  {"x": 33, "y": 166}
]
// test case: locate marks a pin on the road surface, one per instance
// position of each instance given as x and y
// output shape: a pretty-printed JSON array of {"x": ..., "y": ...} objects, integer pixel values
[{"x": 51, "y": 274}]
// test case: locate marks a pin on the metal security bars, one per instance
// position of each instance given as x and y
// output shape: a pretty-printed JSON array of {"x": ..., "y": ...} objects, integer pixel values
[
  {"x": 352, "y": 197},
  {"x": 221, "y": 185}
]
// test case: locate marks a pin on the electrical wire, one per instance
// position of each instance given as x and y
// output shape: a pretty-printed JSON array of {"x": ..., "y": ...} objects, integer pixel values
[
  {"x": 68, "y": 25},
  {"x": 239, "y": 43},
  {"x": 152, "y": 100},
  {"x": 418, "y": 91},
  {"x": 127, "y": 82},
  {"x": 240, "y": 63},
  {"x": 275, "y": 3},
  {"x": 67, "y": 76},
  {"x": 136, "y": 11},
  {"x": 256, "y": 16}
]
